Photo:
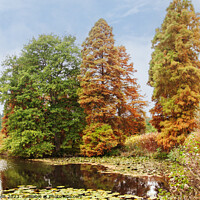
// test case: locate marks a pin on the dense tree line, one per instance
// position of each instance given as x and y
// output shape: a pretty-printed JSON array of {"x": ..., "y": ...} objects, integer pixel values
[
  {"x": 58, "y": 98},
  {"x": 43, "y": 114}
]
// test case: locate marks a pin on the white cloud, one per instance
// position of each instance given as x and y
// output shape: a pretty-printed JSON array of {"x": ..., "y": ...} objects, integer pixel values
[
  {"x": 124, "y": 9},
  {"x": 129, "y": 7},
  {"x": 133, "y": 10}
]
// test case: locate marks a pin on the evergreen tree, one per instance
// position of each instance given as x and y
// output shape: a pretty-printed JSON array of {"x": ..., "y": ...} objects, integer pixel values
[
  {"x": 43, "y": 116},
  {"x": 175, "y": 73},
  {"x": 109, "y": 93}
]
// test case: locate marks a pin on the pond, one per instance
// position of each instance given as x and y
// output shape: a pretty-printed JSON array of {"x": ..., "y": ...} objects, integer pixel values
[{"x": 86, "y": 176}]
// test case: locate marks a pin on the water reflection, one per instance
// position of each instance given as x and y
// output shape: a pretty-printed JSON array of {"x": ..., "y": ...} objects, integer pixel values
[
  {"x": 3, "y": 167},
  {"x": 3, "y": 164},
  {"x": 153, "y": 187},
  {"x": 20, "y": 172}
]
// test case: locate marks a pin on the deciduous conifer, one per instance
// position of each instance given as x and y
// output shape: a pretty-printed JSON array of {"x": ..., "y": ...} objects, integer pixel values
[
  {"x": 109, "y": 92},
  {"x": 175, "y": 73}
]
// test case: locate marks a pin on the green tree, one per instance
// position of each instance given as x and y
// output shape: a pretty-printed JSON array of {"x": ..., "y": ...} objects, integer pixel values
[
  {"x": 175, "y": 73},
  {"x": 109, "y": 92},
  {"x": 39, "y": 90}
]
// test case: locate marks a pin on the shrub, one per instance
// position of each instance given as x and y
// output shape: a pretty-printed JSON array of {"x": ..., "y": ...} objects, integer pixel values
[
  {"x": 99, "y": 138},
  {"x": 142, "y": 144},
  {"x": 28, "y": 144}
]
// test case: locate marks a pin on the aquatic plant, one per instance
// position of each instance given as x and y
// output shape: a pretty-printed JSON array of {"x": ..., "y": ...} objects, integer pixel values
[{"x": 30, "y": 192}]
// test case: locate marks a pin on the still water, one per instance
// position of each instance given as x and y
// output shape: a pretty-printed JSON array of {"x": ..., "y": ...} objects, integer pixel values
[{"x": 21, "y": 172}]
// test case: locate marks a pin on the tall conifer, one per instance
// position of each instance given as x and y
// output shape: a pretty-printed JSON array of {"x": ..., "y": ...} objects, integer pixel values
[
  {"x": 109, "y": 92},
  {"x": 98, "y": 74},
  {"x": 175, "y": 73}
]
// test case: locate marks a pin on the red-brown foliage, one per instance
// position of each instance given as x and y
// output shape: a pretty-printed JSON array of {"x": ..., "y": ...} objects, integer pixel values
[{"x": 109, "y": 92}]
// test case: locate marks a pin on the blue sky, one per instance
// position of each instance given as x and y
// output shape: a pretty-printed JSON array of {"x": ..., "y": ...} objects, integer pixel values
[{"x": 133, "y": 21}]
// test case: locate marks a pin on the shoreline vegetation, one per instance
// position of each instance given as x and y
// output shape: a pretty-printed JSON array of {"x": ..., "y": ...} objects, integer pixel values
[
  {"x": 140, "y": 157},
  {"x": 177, "y": 177}
]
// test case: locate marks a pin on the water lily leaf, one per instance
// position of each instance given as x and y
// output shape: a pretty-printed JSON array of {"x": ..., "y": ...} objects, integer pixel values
[{"x": 60, "y": 187}]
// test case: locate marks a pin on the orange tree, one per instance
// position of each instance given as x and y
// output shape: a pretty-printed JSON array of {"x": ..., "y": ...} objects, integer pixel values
[
  {"x": 174, "y": 73},
  {"x": 109, "y": 93}
]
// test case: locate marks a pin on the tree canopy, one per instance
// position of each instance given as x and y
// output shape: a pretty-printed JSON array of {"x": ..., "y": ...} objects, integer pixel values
[{"x": 39, "y": 89}]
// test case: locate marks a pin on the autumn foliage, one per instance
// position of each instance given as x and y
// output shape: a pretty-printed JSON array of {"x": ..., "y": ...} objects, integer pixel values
[
  {"x": 51, "y": 91},
  {"x": 175, "y": 74},
  {"x": 109, "y": 92},
  {"x": 99, "y": 138}
]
